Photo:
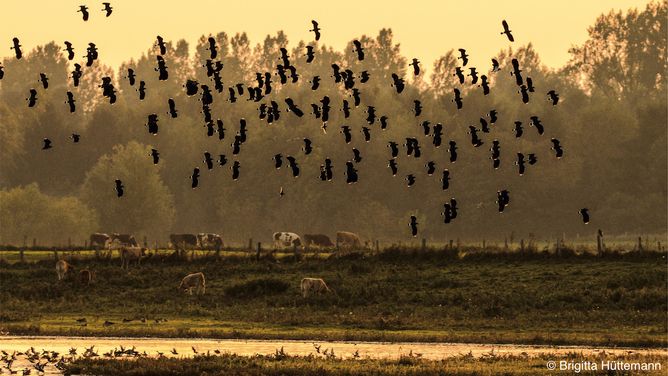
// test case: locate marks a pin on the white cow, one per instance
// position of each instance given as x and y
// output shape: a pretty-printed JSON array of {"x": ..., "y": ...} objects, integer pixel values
[
  {"x": 193, "y": 281},
  {"x": 62, "y": 267},
  {"x": 286, "y": 239},
  {"x": 310, "y": 286}
]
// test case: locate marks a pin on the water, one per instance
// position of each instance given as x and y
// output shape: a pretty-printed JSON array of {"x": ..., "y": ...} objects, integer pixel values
[{"x": 376, "y": 350}]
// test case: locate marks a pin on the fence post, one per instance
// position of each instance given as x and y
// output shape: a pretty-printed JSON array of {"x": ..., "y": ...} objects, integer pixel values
[
  {"x": 483, "y": 244},
  {"x": 450, "y": 245},
  {"x": 521, "y": 245},
  {"x": 640, "y": 243},
  {"x": 458, "y": 244},
  {"x": 22, "y": 255},
  {"x": 424, "y": 244},
  {"x": 259, "y": 251},
  {"x": 599, "y": 242},
  {"x": 145, "y": 242},
  {"x": 377, "y": 245},
  {"x": 658, "y": 245},
  {"x": 295, "y": 251}
]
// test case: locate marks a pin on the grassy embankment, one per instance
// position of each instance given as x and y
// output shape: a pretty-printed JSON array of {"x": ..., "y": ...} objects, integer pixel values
[{"x": 397, "y": 295}]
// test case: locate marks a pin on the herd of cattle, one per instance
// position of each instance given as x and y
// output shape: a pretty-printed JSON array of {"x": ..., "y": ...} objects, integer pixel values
[
  {"x": 193, "y": 281},
  {"x": 344, "y": 239}
]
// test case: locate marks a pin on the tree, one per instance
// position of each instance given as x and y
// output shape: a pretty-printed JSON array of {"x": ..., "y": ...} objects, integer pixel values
[{"x": 147, "y": 206}]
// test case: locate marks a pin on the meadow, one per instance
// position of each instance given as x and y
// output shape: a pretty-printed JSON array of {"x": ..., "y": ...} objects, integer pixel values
[{"x": 439, "y": 295}]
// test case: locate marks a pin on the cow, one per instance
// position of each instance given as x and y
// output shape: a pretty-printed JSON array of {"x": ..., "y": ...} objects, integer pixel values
[
  {"x": 99, "y": 240},
  {"x": 193, "y": 281},
  {"x": 311, "y": 286},
  {"x": 62, "y": 267},
  {"x": 317, "y": 240},
  {"x": 210, "y": 241},
  {"x": 349, "y": 240},
  {"x": 86, "y": 276},
  {"x": 125, "y": 240},
  {"x": 286, "y": 239},
  {"x": 130, "y": 254},
  {"x": 183, "y": 241}
]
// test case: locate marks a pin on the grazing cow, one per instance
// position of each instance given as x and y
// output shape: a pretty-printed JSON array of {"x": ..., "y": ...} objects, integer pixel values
[
  {"x": 311, "y": 286},
  {"x": 125, "y": 240},
  {"x": 86, "y": 276},
  {"x": 210, "y": 241},
  {"x": 99, "y": 240},
  {"x": 193, "y": 281},
  {"x": 317, "y": 240},
  {"x": 62, "y": 267},
  {"x": 348, "y": 240},
  {"x": 286, "y": 239},
  {"x": 130, "y": 254},
  {"x": 183, "y": 241}
]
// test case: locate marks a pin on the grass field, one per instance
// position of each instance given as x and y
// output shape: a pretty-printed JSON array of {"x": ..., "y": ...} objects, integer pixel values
[
  {"x": 396, "y": 295},
  {"x": 284, "y": 364}
]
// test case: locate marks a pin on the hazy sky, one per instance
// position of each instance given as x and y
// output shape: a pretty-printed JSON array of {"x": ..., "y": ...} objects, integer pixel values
[{"x": 424, "y": 28}]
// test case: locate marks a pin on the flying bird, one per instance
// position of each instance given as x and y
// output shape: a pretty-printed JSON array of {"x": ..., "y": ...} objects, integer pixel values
[
  {"x": 535, "y": 122},
  {"x": 410, "y": 180},
  {"x": 357, "y": 156},
  {"x": 553, "y": 97},
  {"x": 32, "y": 100},
  {"x": 556, "y": 146},
  {"x": 70, "y": 50},
  {"x": 84, "y": 12},
  {"x": 463, "y": 57},
  {"x": 316, "y": 29},
  {"x": 236, "y": 167},
  {"x": 208, "y": 160},
  {"x": 161, "y": 45},
  {"x": 172, "y": 108},
  {"x": 584, "y": 213},
  {"x": 310, "y": 54},
  {"x": 495, "y": 65},
  {"x": 458, "y": 99},
  {"x": 445, "y": 180},
  {"x": 392, "y": 164},
  {"x": 155, "y": 155},
  {"x": 71, "y": 102},
  {"x": 351, "y": 173},
  {"x": 507, "y": 31},
  {"x": 107, "y": 9},
  {"x": 120, "y": 188},
  {"x": 17, "y": 48},
  {"x": 414, "y": 225},
  {"x": 359, "y": 50},
  {"x": 194, "y": 178},
  {"x": 46, "y": 144},
  {"x": 308, "y": 148},
  {"x": 416, "y": 66}
]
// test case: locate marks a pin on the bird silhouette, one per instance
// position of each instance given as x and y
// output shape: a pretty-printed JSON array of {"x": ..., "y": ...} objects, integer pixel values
[
  {"x": 108, "y": 9},
  {"x": 445, "y": 180},
  {"x": 131, "y": 76},
  {"x": 357, "y": 156},
  {"x": 525, "y": 94},
  {"x": 364, "y": 77},
  {"x": 416, "y": 66},
  {"x": 152, "y": 124},
  {"x": 162, "y": 68},
  {"x": 383, "y": 122},
  {"x": 278, "y": 161},
  {"x": 410, "y": 180},
  {"x": 484, "y": 127},
  {"x": 120, "y": 188},
  {"x": 142, "y": 90},
  {"x": 431, "y": 168},
  {"x": 91, "y": 54},
  {"x": 473, "y": 75},
  {"x": 398, "y": 83},
  {"x": 71, "y": 102},
  {"x": 392, "y": 164},
  {"x": 475, "y": 140},
  {"x": 530, "y": 86},
  {"x": 32, "y": 100},
  {"x": 316, "y": 29},
  {"x": 502, "y": 199},
  {"x": 367, "y": 134},
  {"x": 292, "y": 107},
  {"x": 463, "y": 57},
  {"x": 394, "y": 148},
  {"x": 584, "y": 212},
  {"x": 553, "y": 97},
  {"x": 310, "y": 54},
  {"x": 2, "y": 71},
  {"x": 208, "y": 160},
  {"x": 518, "y": 129},
  {"x": 315, "y": 82},
  {"x": 46, "y": 144},
  {"x": 70, "y": 50},
  {"x": 84, "y": 12},
  {"x": 460, "y": 75},
  {"x": 517, "y": 72},
  {"x": 236, "y": 167},
  {"x": 172, "y": 108},
  {"x": 358, "y": 49},
  {"x": 308, "y": 148},
  {"x": 417, "y": 107},
  {"x": 426, "y": 129},
  {"x": 213, "y": 50},
  {"x": 222, "y": 160},
  {"x": 437, "y": 134},
  {"x": 453, "y": 151},
  {"x": 507, "y": 31},
  {"x": 495, "y": 149},
  {"x": 484, "y": 84},
  {"x": 458, "y": 99},
  {"x": 351, "y": 173},
  {"x": 75, "y": 138},
  {"x": 161, "y": 45},
  {"x": 556, "y": 146},
  {"x": 532, "y": 159},
  {"x": 493, "y": 116},
  {"x": 520, "y": 163},
  {"x": 535, "y": 122},
  {"x": 17, "y": 48},
  {"x": 155, "y": 155},
  {"x": 414, "y": 225},
  {"x": 194, "y": 178},
  {"x": 345, "y": 130},
  {"x": 495, "y": 65},
  {"x": 76, "y": 74}
]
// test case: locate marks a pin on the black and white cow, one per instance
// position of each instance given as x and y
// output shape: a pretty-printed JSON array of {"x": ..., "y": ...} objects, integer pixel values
[
  {"x": 210, "y": 241},
  {"x": 183, "y": 241},
  {"x": 286, "y": 239}
]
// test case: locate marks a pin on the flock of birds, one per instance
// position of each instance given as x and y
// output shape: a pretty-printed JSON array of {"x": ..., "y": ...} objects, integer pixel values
[{"x": 270, "y": 111}]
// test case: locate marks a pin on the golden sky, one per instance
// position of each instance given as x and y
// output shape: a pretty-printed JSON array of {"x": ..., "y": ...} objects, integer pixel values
[{"x": 424, "y": 28}]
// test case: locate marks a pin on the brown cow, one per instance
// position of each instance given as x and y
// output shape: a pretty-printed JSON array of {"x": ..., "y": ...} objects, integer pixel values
[
  {"x": 62, "y": 267},
  {"x": 310, "y": 286},
  {"x": 193, "y": 281},
  {"x": 349, "y": 240},
  {"x": 131, "y": 253}
]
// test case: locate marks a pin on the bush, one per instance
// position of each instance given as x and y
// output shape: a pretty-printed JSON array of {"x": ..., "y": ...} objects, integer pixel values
[{"x": 257, "y": 288}]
